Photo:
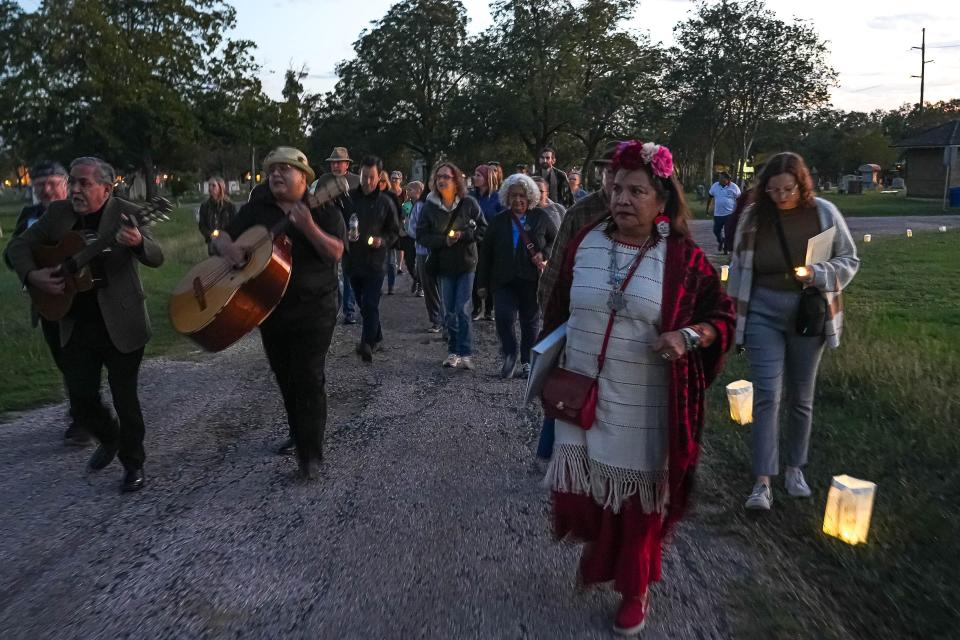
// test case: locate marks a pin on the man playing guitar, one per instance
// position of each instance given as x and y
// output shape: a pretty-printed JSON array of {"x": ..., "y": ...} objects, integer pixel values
[
  {"x": 297, "y": 335},
  {"x": 106, "y": 326}
]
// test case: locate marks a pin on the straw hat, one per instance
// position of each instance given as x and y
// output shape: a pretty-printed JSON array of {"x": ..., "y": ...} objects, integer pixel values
[{"x": 292, "y": 157}]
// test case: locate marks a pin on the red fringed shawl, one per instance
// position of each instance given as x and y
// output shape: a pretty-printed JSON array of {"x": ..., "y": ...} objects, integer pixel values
[{"x": 691, "y": 293}]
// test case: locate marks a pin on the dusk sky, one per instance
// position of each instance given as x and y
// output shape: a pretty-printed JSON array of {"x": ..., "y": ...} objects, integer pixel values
[{"x": 869, "y": 42}]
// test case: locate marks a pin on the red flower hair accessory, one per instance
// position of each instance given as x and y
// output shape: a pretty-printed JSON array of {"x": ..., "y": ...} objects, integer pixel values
[{"x": 636, "y": 153}]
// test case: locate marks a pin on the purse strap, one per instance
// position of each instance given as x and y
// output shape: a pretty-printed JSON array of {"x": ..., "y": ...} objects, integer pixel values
[
  {"x": 602, "y": 358},
  {"x": 784, "y": 247},
  {"x": 524, "y": 238}
]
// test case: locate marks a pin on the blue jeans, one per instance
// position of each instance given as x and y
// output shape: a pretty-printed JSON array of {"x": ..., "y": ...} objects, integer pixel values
[
  {"x": 348, "y": 300},
  {"x": 783, "y": 367},
  {"x": 456, "y": 292},
  {"x": 718, "y": 223},
  {"x": 547, "y": 435}
]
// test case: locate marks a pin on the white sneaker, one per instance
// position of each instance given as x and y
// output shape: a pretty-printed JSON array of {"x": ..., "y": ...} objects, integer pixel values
[
  {"x": 466, "y": 363},
  {"x": 451, "y": 361},
  {"x": 795, "y": 483},
  {"x": 761, "y": 498}
]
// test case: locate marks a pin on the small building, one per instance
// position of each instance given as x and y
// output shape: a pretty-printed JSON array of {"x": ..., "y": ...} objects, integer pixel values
[
  {"x": 869, "y": 175},
  {"x": 931, "y": 160}
]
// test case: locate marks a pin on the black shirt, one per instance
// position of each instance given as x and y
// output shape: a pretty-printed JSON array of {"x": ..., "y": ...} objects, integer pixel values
[
  {"x": 313, "y": 277},
  {"x": 378, "y": 216}
]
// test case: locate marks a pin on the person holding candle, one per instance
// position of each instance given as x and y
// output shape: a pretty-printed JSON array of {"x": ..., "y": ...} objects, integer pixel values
[
  {"x": 450, "y": 226},
  {"x": 379, "y": 228},
  {"x": 636, "y": 281},
  {"x": 513, "y": 255},
  {"x": 767, "y": 276}
]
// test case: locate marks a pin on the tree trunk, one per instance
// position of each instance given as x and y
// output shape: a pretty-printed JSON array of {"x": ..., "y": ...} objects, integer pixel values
[
  {"x": 149, "y": 174},
  {"x": 708, "y": 168}
]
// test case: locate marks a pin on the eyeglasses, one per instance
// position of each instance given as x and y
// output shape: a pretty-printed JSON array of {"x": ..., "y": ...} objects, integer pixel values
[
  {"x": 787, "y": 191},
  {"x": 444, "y": 176},
  {"x": 282, "y": 167}
]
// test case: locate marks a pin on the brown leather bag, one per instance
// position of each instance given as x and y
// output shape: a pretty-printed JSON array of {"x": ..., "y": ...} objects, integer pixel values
[{"x": 571, "y": 396}]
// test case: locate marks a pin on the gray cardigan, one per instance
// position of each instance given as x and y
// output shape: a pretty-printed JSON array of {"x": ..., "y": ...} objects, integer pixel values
[{"x": 831, "y": 277}]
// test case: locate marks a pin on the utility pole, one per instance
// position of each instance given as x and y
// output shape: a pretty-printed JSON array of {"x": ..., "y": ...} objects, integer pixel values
[{"x": 923, "y": 64}]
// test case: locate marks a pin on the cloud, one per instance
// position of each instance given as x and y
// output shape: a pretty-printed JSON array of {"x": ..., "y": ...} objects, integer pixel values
[{"x": 903, "y": 20}]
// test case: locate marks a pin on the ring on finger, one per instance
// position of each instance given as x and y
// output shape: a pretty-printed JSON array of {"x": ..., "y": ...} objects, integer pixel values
[{"x": 665, "y": 355}]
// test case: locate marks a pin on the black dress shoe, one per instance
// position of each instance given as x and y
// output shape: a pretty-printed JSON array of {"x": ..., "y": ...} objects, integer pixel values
[
  {"x": 103, "y": 456},
  {"x": 366, "y": 353},
  {"x": 132, "y": 480},
  {"x": 75, "y": 436},
  {"x": 308, "y": 470},
  {"x": 287, "y": 448}
]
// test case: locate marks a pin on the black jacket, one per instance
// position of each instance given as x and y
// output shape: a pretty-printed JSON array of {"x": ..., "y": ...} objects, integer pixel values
[
  {"x": 378, "y": 216},
  {"x": 313, "y": 276},
  {"x": 433, "y": 227},
  {"x": 215, "y": 215},
  {"x": 501, "y": 262},
  {"x": 561, "y": 193}
]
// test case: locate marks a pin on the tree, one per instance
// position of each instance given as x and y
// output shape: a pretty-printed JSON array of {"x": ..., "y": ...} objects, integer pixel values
[
  {"x": 121, "y": 79},
  {"x": 737, "y": 65},
  {"x": 405, "y": 106}
]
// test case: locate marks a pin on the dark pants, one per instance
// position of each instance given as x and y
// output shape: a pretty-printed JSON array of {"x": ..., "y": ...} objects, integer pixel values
[
  {"x": 51, "y": 334},
  {"x": 547, "y": 436},
  {"x": 366, "y": 287},
  {"x": 518, "y": 297},
  {"x": 431, "y": 292},
  {"x": 87, "y": 353},
  {"x": 486, "y": 303},
  {"x": 406, "y": 245},
  {"x": 297, "y": 358},
  {"x": 718, "y": 224}
]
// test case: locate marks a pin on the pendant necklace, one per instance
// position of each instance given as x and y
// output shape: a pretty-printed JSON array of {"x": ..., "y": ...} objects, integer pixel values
[{"x": 616, "y": 301}]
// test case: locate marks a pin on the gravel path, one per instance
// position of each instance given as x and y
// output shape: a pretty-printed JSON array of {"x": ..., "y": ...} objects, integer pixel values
[{"x": 429, "y": 520}]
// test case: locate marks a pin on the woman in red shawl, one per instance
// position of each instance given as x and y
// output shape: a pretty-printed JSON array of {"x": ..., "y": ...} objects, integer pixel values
[{"x": 621, "y": 485}]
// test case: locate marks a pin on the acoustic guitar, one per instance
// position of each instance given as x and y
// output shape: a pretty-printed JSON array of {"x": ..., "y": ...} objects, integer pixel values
[
  {"x": 72, "y": 256},
  {"x": 217, "y": 303}
]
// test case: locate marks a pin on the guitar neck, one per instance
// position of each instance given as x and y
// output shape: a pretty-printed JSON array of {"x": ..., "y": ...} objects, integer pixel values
[{"x": 83, "y": 257}]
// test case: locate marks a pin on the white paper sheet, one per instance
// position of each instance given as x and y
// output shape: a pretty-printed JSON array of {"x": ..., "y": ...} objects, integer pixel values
[{"x": 820, "y": 246}]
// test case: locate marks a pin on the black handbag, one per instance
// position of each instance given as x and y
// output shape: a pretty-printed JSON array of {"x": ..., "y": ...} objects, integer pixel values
[{"x": 812, "y": 310}]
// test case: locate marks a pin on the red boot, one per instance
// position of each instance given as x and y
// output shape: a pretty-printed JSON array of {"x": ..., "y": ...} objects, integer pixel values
[{"x": 632, "y": 615}]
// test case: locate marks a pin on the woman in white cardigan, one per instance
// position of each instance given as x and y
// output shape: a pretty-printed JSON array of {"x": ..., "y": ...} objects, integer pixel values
[{"x": 767, "y": 274}]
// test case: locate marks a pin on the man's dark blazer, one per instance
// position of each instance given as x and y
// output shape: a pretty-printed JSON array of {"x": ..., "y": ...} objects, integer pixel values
[{"x": 122, "y": 301}]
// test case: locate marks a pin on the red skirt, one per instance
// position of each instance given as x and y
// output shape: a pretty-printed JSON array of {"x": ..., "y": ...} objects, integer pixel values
[{"x": 623, "y": 547}]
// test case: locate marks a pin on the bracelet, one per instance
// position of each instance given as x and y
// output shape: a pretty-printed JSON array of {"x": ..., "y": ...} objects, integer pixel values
[{"x": 691, "y": 339}]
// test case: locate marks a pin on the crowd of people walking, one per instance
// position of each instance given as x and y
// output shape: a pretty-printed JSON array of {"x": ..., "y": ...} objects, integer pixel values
[{"x": 645, "y": 319}]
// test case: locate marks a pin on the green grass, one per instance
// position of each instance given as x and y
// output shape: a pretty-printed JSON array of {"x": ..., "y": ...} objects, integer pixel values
[
  {"x": 887, "y": 410},
  {"x": 874, "y": 203},
  {"x": 27, "y": 370}
]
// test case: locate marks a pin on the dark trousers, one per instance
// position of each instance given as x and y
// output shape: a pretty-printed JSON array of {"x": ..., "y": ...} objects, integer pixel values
[
  {"x": 297, "y": 357},
  {"x": 83, "y": 358},
  {"x": 518, "y": 297},
  {"x": 718, "y": 224},
  {"x": 366, "y": 288},
  {"x": 431, "y": 292},
  {"x": 406, "y": 245}
]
